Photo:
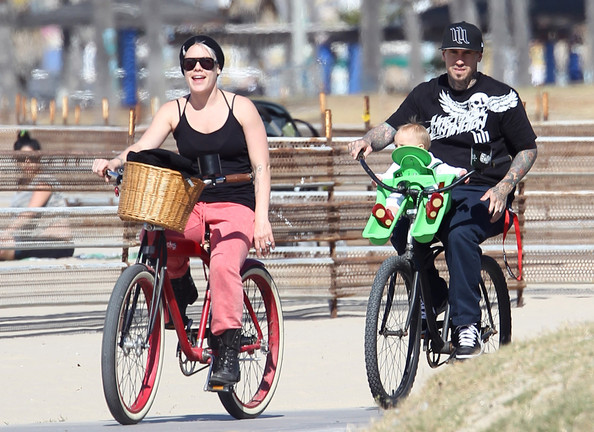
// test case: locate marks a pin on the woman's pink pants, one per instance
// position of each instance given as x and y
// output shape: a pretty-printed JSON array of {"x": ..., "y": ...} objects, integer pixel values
[{"x": 231, "y": 235}]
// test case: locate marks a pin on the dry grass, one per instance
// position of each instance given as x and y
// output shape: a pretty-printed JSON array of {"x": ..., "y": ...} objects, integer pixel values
[
  {"x": 544, "y": 384},
  {"x": 565, "y": 103}
]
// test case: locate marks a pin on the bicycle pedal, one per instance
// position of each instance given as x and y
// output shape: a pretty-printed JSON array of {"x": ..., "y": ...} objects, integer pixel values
[{"x": 220, "y": 388}]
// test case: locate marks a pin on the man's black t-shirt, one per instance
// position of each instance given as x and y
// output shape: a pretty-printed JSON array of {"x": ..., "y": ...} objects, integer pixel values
[{"x": 489, "y": 112}]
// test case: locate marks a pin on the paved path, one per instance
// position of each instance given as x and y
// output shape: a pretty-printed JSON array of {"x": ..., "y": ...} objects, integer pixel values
[{"x": 55, "y": 377}]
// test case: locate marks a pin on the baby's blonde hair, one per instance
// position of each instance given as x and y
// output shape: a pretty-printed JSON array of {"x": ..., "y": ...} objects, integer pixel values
[{"x": 420, "y": 132}]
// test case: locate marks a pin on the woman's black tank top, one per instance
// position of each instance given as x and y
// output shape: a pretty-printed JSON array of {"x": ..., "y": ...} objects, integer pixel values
[{"x": 229, "y": 142}]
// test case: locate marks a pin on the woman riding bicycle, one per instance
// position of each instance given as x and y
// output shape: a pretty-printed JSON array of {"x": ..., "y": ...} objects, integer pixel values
[
  {"x": 209, "y": 120},
  {"x": 461, "y": 108}
]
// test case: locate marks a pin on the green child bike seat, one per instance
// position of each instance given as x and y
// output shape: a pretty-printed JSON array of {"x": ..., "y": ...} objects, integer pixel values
[{"x": 416, "y": 172}]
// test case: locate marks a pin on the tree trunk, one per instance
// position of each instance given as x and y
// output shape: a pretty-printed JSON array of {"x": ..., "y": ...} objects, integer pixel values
[
  {"x": 371, "y": 36},
  {"x": 298, "y": 44},
  {"x": 499, "y": 39},
  {"x": 106, "y": 43},
  {"x": 522, "y": 33},
  {"x": 464, "y": 10},
  {"x": 589, "y": 57},
  {"x": 153, "y": 25},
  {"x": 412, "y": 31},
  {"x": 8, "y": 81}
]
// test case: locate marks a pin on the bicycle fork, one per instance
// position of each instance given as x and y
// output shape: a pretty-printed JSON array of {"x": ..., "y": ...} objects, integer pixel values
[{"x": 436, "y": 342}]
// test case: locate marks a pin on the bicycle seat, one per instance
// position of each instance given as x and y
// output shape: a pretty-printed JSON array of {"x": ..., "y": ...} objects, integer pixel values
[{"x": 412, "y": 160}]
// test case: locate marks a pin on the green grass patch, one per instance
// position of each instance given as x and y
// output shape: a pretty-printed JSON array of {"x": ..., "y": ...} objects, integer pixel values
[{"x": 545, "y": 384}]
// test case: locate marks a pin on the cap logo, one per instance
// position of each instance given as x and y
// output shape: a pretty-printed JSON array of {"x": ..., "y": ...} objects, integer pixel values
[{"x": 459, "y": 35}]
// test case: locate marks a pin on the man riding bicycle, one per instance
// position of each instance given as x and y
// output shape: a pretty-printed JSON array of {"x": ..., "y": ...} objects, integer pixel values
[{"x": 461, "y": 108}]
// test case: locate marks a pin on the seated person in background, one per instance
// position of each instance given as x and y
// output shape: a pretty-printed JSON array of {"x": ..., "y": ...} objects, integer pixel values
[
  {"x": 410, "y": 134},
  {"x": 37, "y": 193}
]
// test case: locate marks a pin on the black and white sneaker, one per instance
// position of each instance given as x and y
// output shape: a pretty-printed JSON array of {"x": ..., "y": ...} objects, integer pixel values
[{"x": 467, "y": 340}]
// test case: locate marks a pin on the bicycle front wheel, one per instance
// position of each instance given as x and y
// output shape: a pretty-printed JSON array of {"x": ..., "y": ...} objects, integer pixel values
[
  {"x": 495, "y": 306},
  {"x": 263, "y": 328},
  {"x": 392, "y": 333},
  {"x": 131, "y": 359}
]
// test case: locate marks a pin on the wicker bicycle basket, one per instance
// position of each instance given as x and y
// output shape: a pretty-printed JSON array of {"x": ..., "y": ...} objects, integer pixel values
[{"x": 157, "y": 195}]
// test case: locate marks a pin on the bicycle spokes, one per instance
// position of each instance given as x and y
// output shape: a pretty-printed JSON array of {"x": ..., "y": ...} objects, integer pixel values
[
  {"x": 129, "y": 311},
  {"x": 491, "y": 328},
  {"x": 388, "y": 305}
]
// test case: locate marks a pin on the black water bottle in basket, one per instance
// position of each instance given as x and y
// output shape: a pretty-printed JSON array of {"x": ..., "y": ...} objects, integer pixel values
[{"x": 209, "y": 166}]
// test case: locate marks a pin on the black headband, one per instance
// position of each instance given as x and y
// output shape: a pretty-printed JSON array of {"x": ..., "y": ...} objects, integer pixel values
[{"x": 205, "y": 40}]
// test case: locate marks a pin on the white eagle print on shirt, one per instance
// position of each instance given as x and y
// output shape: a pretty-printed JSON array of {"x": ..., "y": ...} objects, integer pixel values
[{"x": 470, "y": 116}]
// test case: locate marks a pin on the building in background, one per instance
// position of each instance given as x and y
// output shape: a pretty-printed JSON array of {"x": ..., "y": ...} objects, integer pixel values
[{"x": 126, "y": 51}]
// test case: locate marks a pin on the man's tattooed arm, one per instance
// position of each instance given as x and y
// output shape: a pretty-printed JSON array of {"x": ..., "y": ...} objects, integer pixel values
[
  {"x": 380, "y": 136},
  {"x": 374, "y": 140},
  {"x": 518, "y": 169}
]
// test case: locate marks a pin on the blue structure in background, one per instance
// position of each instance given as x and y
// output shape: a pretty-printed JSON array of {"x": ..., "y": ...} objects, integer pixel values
[
  {"x": 326, "y": 60},
  {"x": 354, "y": 68},
  {"x": 575, "y": 69},
  {"x": 128, "y": 59},
  {"x": 549, "y": 56}
]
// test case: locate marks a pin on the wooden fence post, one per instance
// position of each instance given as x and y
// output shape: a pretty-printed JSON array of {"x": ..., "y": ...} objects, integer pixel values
[
  {"x": 52, "y": 111},
  {"x": 366, "y": 116},
  {"x": 34, "y": 110},
  {"x": 131, "y": 126},
  {"x": 65, "y": 110},
  {"x": 23, "y": 108},
  {"x": 105, "y": 111},
  {"x": 323, "y": 107},
  {"x": 17, "y": 103},
  {"x": 77, "y": 114},
  {"x": 545, "y": 106},
  {"x": 328, "y": 126}
]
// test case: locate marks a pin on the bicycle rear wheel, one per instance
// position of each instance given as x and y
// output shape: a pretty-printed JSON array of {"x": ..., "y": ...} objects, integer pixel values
[
  {"x": 130, "y": 367},
  {"x": 262, "y": 326},
  {"x": 495, "y": 306},
  {"x": 392, "y": 333}
]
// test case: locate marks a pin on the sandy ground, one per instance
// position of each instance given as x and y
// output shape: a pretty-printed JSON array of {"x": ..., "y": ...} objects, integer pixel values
[{"x": 57, "y": 378}]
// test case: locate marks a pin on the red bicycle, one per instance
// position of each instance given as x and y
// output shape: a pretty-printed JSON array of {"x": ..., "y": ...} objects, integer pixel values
[{"x": 133, "y": 334}]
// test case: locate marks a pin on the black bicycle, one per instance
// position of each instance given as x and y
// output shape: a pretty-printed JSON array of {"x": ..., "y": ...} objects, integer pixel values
[{"x": 394, "y": 328}]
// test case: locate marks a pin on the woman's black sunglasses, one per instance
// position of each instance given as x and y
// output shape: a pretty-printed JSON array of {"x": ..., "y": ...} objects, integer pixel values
[{"x": 206, "y": 63}]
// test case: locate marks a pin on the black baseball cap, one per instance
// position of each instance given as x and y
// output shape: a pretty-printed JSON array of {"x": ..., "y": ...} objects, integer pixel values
[{"x": 462, "y": 35}]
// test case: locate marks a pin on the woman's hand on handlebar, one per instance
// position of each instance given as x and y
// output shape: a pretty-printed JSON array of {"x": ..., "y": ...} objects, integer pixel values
[
  {"x": 102, "y": 166},
  {"x": 359, "y": 148}
]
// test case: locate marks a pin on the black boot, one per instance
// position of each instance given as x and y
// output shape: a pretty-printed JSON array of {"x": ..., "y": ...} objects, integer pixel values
[
  {"x": 185, "y": 294},
  {"x": 225, "y": 370}
]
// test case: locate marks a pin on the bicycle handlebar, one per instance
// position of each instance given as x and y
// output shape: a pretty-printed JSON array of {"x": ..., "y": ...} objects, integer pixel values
[
  {"x": 459, "y": 180},
  {"x": 374, "y": 177},
  {"x": 230, "y": 178}
]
